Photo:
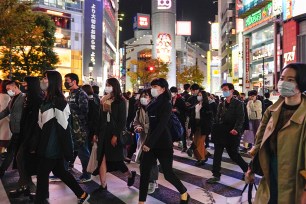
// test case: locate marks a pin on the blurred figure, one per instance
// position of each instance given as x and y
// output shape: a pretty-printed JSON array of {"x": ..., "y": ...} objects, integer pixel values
[
  {"x": 14, "y": 109},
  {"x": 5, "y": 133},
  {"x": 158, "y": 144},
  {"x": 280, "y": 142},
  {"x": 96, "y": 91},
  {"x": 185, "y": 95},
  {"x": 112, "y": 122},
  {"x": 267, "y": 101},
  {"x": 179, "y": 109},
  {"x": 55, "y": 139}
]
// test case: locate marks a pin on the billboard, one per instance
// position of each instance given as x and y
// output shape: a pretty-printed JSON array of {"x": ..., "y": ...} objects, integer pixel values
[
  {"x": 290, "y": 42},
  {"x": 92, "y": 49},
  {"x": 215, "y": 36},
  {"x": 287, "y": 9},
  {"x": 298, "y": 7},
  {"x": 248, "y": 4},
  {"x": 142, "y": 21},
  {"x": 277, "y": 7},
  {"x": 164, "y": 47},
  {"x": 183, "y": 28},
  {"x": 259, "y": 16},
  {"x": 247, "y": 62}
]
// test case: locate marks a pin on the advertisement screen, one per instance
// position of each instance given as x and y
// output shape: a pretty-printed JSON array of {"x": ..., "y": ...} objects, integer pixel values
[
  {"x": 215, "y": 42},
  {"x": 164, "y": 47},
  {"x": 183, "y": 28}
]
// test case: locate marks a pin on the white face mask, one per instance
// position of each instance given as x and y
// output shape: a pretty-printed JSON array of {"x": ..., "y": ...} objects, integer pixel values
[
  {"x": 199, "y": 98},
  {"x": 154, "y": 92},
  {"x": 144, "y": 101},
  {"x": 11, "y": 93},
  {"x": 43, "y": 86},
  {"x": 108, "y": 89},
  {"x": 286, "y": 88}
]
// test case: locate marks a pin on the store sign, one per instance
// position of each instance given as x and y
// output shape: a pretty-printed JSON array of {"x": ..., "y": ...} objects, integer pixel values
[
  {"x": 164, "y": 47},
  {"x": 247, "y": 63},
  {"x": 215, "y": 42},
  {"x": 142, "y": 21},
  {"x": 277, "y": 7},
  {"x": 164, "y": 4},
  {"x": 248, "y": 4},
  {"x": 290, "y": 42},
  {"x": 259, "y": 15},
  {"x": 287, "y": 9},
  {"x": 298, "y": 7},
  {"x": 264, "y": 51},
  {"x": 92, "y": 50}
]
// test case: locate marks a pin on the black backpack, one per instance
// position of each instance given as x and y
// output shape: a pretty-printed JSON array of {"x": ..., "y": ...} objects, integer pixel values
[{"x": 176, "y": 128}]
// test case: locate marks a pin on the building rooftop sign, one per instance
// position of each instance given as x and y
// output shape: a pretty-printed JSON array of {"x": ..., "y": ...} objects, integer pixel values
[
  {"x": 249, "y": 6},
  {"x": 259, "y": 16}
]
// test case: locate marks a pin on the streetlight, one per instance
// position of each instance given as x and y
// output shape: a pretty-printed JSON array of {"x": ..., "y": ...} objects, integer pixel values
[{"x": 90, "y": 68}]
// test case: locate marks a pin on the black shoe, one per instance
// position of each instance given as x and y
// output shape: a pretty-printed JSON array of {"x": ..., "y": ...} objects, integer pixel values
[
  {"x": 101, "y": 188},
  {"x": 185, "y": 201},
  {"x": 127, "y": 160},
  {"x": 32, "y": 196},
  {"x": 19, "y": 191},
  {"x": 131, "y": 180},
  {"x": 199, "y": 163},
  {"x": 189, "y": 152},
  {"x": 1, "y": 173},
  {"x": 208, "y": 155}
]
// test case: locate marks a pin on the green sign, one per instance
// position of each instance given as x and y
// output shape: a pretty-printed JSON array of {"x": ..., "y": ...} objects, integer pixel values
[{"x": 259, "y": 15}]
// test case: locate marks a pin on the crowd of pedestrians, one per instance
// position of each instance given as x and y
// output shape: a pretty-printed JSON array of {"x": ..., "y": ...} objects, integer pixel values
[{"x": 44, "y": 132}]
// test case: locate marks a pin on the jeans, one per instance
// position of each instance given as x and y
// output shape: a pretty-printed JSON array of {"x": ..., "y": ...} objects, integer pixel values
[
  {"x": 233, "y": 153},
  {"x": 84, "y": 155}
]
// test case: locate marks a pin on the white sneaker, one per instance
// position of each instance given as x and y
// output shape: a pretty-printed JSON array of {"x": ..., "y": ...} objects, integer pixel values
[{"x": 152, "y": 186}]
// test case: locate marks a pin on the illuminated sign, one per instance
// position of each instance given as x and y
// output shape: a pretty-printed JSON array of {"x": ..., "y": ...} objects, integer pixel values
[
  {"x": 298, "y": 7},
  {"x": 287, "y": 9},
  {"x": 247, "y": 63},
  {"x": 215, "y": 41},
  {"x": 248, "y": 4},
  {"x": 290, "y": 42},
  {"x": 277, "y": 7},
  {"x": 142, "y": 21},
  {"x": 164, "y": 47},
  {"x": 164, "y": 4},
  {"x": 259, "y": 15},
  {"x": 183, "y": 28}
]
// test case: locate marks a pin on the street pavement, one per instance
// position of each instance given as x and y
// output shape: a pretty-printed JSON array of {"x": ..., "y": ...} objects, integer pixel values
[{"x": 228, "y": 190}]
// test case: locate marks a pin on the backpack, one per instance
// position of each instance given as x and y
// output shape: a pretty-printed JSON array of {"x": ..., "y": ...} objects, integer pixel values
[{"x": 176, "y": 128}]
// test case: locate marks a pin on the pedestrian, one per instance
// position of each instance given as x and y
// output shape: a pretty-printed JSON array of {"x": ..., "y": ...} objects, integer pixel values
[
  {"x": 280, "y": 142},
  {"x": 179, "y": 109},
  {"x": 14, "y": 109},
  {"x": 5, "y": 134},
  {"x": 141, "y": 126},
  {"x": 185, "y": 95},
  {"x": 267, "y": 101},
  {"x": 78, "y": 102},
  {"x": 112, "y": 122},
  {"x": 202, "y": 118},
  {"x": 25, "y": 158},
  {"x": 230, "y": 119},
  {"x": 158, "y": 144},
  {"x": 55, "y": 140}
]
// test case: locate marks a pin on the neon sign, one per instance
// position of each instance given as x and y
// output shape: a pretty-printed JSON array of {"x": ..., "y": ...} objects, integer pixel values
[
  {"x": 259, "y": 15},
  {"x": 164, "y": 4}
]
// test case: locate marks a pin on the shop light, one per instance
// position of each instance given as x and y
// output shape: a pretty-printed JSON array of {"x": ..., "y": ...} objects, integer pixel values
[{"x": 56, "y": 13}]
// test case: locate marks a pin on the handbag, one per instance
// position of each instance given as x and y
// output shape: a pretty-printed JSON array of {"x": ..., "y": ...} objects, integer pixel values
[
  {"x": 93, "y": 162},
  {"x": 125, "y": 136}
]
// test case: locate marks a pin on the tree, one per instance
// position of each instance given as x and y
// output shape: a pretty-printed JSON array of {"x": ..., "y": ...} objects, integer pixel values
[
  {"x": 190, "y": 75},
  {"x": 26, "y": 39},
  {"x": 139, "y": 71}
]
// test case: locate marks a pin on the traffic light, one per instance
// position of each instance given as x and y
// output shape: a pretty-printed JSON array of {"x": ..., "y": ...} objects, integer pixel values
[{"x": 151, "y": 68}]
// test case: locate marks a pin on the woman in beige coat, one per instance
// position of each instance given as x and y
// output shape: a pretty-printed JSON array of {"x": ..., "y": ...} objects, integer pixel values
[
  {"x": 281, "y": 142},
  {"x": 5, "y": 132}
]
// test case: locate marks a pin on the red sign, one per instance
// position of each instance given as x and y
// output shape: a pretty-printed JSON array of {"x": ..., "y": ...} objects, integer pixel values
[
  {"x": 291, "y": 31},
  {"x": 247, "y": 63},
  {"x": 143, "y": 21}
]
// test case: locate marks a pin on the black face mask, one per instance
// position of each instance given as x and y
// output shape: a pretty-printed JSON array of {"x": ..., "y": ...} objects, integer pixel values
[{"x": 67, "y": 85}]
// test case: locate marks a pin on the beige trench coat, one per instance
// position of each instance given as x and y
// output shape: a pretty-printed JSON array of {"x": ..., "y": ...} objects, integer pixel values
[
  {"x": 291, "y": 154},
  {"x": 5, "y": 132}
]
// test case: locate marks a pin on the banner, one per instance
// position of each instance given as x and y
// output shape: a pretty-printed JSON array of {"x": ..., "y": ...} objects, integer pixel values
[{"x": 247, "y": 63}]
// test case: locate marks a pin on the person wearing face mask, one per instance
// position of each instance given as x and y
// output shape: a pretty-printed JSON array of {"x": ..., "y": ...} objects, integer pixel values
[
  {"x": 280, "y": 142},
  {"x": 14, "y": 109},
  {"x": 78, "y": 102},
  {"x": 229, "y": 124},
  {"x": 158, "y": 144},
  {"x": 202, "y": 117},
  {"x": 5, "y": 133},
  {"x": 179, "y": 109},
  {"x": 112, "y": 122},
  {"x": 141, "y": 126}
]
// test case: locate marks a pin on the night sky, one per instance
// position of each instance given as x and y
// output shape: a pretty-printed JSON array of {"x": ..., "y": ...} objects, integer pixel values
[{"x": 199, "y": 12}]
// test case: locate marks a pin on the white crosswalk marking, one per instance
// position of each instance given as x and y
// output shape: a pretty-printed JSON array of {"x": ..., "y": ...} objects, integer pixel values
[{"x": 192, "y": 177}]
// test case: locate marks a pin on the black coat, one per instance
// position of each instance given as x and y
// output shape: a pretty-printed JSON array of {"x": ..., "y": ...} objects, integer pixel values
[
  {"x": 106, "y": 130},
  {"x": 181, "y": 110},
  {"x": 206, "y": 120},
  {"x": 159, "y": 112}
]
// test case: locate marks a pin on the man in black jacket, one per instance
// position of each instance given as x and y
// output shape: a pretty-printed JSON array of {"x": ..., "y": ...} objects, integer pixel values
[{"x": 230, "y": 117}]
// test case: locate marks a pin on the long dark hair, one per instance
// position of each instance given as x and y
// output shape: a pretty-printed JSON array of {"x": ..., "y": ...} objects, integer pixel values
[
  {"x": 117, "y": 94},
  {"x": 300, "y": 77},
  {"x": 34, "y": 94},
  {"x": 205, "y": 102},
  {"x": 164, "y": 84},
  {"x": 3, "y": 85},
  {"x": 54, "y": 89}
]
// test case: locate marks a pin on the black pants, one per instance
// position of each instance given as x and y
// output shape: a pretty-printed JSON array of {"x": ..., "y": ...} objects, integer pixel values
[
  {"x": 232, "y": 150},
  {"x": 11, "y": 152},
  {"x": 165, "y": 157},
  {"x": 57, "y": 167}
]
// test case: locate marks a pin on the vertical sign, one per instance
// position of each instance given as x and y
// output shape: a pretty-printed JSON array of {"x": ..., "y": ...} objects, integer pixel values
[
  {"x": 215, "y": 41},
  {"x": 291, "y": 31},
  {"x": 208, "y": 71},
  {"x": 247, "y": 63},
  {"x": 92, "y": 48}
]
